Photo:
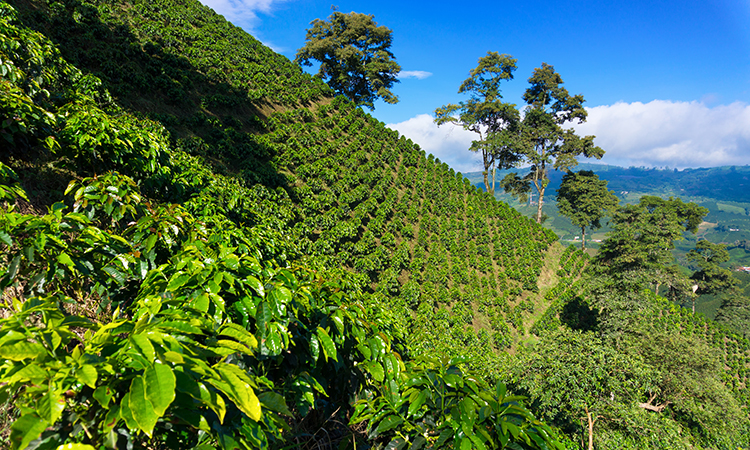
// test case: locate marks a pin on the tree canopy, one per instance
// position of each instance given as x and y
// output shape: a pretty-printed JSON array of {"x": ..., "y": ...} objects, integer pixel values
[
  {"x": 585, "y": 200},
  {"x": 639, "y": 248},
  {"x": 549, "y": 108},
  {"x": 486, "y": 114},
  {"x": 354, "y": 55}
]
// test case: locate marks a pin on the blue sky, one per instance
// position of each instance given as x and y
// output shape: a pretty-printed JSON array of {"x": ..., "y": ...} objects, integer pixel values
[{"x": 667, "y": 83}]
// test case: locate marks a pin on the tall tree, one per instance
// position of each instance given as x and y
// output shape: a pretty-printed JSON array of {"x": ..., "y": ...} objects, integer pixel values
[
  {"x": 585, "y": 200},
  {"x": 354, "y": 55},
  {"x": 543, "y": 141},
  {"x": 487, "y": 115},
  {"x": 638, "y": 250},
  {"x": 710, "y": 278}
]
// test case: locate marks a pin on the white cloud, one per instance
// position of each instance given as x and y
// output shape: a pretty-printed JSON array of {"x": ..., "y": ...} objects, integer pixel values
[
  {"x": 448, "y": 142},
  {"x": 418, "y": 74},
  {"x": 655, "y": 134},
  {"x": 241, "y": 12},
  {"x": 674, "y": 134}
]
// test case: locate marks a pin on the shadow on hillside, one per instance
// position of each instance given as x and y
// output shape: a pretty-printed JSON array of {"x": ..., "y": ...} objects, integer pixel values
[
  {"x": 578, "y": 315},
  {"x": 205, "y": 117}
]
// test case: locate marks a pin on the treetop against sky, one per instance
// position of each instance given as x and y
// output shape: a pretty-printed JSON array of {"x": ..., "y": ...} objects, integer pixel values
[{"x": 666, "y": 83}]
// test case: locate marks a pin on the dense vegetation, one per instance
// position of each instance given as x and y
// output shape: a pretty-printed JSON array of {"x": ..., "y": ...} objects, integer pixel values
[{"x": 201, "y": 247}]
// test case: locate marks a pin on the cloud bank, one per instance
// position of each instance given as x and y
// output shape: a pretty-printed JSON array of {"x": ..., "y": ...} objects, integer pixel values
[
  {"x": 449, "y": 143},
  {"x": 418, "y": 74},
  {"x": 660, "y": 133},
  {"x": 674, "y": 134}
]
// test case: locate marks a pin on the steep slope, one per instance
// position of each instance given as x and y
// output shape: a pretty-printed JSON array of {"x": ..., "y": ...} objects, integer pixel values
[
  {"x": 130, "y": 322},
  {"x": 349, "y": 191}
]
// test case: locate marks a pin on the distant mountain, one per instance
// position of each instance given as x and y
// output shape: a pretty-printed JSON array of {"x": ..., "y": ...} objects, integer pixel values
[{"x": 729, "y": 183}]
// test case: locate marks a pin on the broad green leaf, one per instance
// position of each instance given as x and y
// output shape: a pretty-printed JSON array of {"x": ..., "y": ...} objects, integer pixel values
[
  {"x": 141, "y": 409},
  {"x": 31, "y": 373},
  {"x": 13, "y": 267},
  {"x": 256, "y": 285},
  {"x": 75, "y": 447},
  {"x": 274, "y": 402},
  {"x": 240, "y": 390},
  {"x": 188, "y": 385},
  {"x": 233, "y": 346},
  {"x": 386, "y": 424},
  {"x": 103, "y": 395},
  {"x": 25, "y": 429},
  {"x": 329, "y": 348},
  {"x": 87, "y": 375},
  {"x": 178, "y": 280},
  {"x": 396, "y": 444},
  {"x": 51, "y": 405},
  {"x": 477, "y": 442},
  {"x": 240, "y": 334},
  {"x": 314, "y": 345},
  {"x": 272, "y": 343},
  {"x": 418, "y": 443},
  {"x": 418, "y": 402},
  {"x": 376, "y": 370},
  {"x": 64, "y": 258},
  {"x": 116, "y": 274},
  {"x": 18, "y": 351},
  {"x": 143, "y": 345},
  {"x": 160, "y": 386}
]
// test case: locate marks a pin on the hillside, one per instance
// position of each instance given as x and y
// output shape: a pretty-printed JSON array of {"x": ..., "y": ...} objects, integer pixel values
[{"x": 198, "y": 236}]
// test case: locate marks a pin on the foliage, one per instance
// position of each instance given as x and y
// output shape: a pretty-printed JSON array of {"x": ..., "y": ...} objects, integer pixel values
[
  {"x": 543, "y": 141},
  {"x": 354, "y": 55},
  {"x": 710, "y": 276},
  {"x": 486, "y": 114},
  {"x": 575, "y": 378},
  {"x": 434, "y": 404},
  {"x": 638, "y": 250},
  {"x": 585, "y": 200}
]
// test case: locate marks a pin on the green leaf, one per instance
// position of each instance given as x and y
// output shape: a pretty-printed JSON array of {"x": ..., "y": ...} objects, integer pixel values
[
  {"x": 418, "y": 443},
  {"x": 18, "y": 351},
  {"x": 314, "y": 347},
  {"x": 418, "y": 402},
  {"x": 274, "y": 402},
  {"x": 239, "y": 390},
  {"x": 31, "y": 373},
  {"x": 386, "y": 424},
  {"x": 240, "y": 334},
  {"x": 103, "y": 395},
  {"x": 272, "y": 343},
  {"x": 25, "y": 429},
  {"x": 256, "y": 285},
  {"x": 234, "y": 346},
  {"x": 188, "y": 385},
  {"x": 329, "y": 348},
  {"x": 87, "y": 375},
  {"x": 376, "y": 370},
  {"x": 64, "y": 258},
  {"x": 178, "y": 280},
  {"x": 141, "y": 409},
  {"x": 160, "y": 386},
  {"x": 143, "y": 345},
  {"x": 51, "y": 406},
  {"x": 75, "y": 447},
  {"x": 13, "y": 267}
]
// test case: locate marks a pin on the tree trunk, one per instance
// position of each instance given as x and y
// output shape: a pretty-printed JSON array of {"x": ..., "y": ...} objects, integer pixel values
[
  {"x": 539, "y": 206},
  {"x": 591, "y": 429},
  {"x": 583, "y": 238}
]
